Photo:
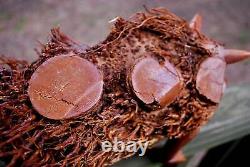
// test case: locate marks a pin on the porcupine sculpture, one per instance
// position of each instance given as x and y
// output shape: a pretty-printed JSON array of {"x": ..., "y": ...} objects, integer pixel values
[{"x": 154, "y": 77}]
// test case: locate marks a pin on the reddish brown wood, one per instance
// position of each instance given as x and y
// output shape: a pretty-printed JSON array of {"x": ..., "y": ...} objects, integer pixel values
[
  {"x": 65, "y": 87},
  {"x": 233, "y": 56},
  {"x": 152, "y": 81},
  {"x": 196, "y": 22},
  {"x": 210, "y": 78}
]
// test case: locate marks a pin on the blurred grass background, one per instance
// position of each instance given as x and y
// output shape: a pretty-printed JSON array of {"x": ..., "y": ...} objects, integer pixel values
[{"x": 24, "y": 22}]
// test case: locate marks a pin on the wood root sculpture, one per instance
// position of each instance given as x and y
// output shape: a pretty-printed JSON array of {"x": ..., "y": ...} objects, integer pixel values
[{"x": 154, "y": 77}]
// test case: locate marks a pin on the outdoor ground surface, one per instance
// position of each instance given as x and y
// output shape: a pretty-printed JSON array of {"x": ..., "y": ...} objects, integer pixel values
[{"x": 24, "y": 22}]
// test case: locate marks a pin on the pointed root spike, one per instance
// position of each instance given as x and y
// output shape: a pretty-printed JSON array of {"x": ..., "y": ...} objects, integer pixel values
[
  {"x": 233, "y": 56},
  {"x": 179, "y": 157},
  {"x": 196, "y": 22}
]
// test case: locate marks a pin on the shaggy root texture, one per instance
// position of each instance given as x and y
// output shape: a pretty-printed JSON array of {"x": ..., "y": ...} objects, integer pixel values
[{"x": 29, "y": 139}]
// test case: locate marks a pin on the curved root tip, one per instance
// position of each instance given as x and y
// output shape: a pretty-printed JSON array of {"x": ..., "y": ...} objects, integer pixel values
[
  {"x": 233, "y": 56},
  {"x": 179, "y": 157},
  {"x": 196, "y": 22},
  {"x": 60, "y": 37}
]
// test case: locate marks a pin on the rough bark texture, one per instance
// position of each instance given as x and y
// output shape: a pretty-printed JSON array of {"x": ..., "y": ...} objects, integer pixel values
[{"x": 29, "y": 139}]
